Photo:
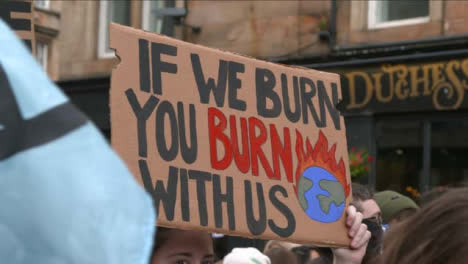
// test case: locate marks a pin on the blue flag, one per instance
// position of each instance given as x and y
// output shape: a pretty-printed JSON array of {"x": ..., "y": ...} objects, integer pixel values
[{"x": 65, "y": 196}]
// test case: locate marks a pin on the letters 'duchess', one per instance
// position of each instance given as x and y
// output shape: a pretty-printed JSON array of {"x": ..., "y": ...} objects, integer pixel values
[{"x": 230, "y": 144}]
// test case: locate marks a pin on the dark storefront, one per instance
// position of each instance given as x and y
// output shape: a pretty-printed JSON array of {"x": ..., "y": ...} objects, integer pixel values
[{"x": 412, "y": 116}]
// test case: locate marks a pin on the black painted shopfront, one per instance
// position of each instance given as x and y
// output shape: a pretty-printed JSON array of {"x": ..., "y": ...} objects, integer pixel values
[{"x": 412, "y": 117}]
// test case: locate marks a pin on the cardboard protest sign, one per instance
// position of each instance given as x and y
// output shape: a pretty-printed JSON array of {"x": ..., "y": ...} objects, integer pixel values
[
  {"x": 18, "y": 14},
  {"x": 230, "y": 144}
]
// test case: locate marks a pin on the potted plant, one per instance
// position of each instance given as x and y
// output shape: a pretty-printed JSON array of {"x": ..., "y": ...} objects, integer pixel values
[{"x": 359, "y": 163}]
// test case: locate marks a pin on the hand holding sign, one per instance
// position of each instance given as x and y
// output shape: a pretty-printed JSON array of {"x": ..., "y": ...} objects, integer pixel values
[{"x": 360, "y": 238}]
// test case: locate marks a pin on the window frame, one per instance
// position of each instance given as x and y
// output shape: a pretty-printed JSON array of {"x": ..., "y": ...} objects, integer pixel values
[
  {"x": 146, "y": 15},
  {"x": 167, "y": 7},
  {"x": 103, "y": 53},
  {"x": 373, "y": 24}
]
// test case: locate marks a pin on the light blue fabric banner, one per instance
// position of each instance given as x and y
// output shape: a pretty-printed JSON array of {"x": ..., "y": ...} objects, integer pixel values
[{"x": 65, "y": 196}]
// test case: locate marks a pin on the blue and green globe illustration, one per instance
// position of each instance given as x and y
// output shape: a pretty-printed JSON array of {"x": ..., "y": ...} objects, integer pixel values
[{"x": 321, "y": 195}]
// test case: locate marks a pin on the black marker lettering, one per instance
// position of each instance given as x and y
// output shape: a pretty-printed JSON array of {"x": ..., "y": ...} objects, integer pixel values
[
  {"x": 219, "y": 198},
  {"x": 291, "y": 226},
  {"x": 206, "y": 87},
  {"x": 144, "y": 65},
  {"x": 160, "y": 193},
  {"x": 256, "y": 227},
  {"x": 235, "y": 83},
  {"x": 201, "y": 177},
  {"x": 142, "y": 114},
  {"x": 167, "y": 154},
  {"x": 307, "y": 101},
  {"x": 296, "y": 115},
  {"x": 264, "y": 84},
  {"x": 324, "y": 99},
  {"x": 159, "y": 66},
  {"x": 188, "y": 154},
  {"x": 184, "y": 195}
]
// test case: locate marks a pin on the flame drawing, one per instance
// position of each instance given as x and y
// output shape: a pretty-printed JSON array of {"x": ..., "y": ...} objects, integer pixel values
[{"x": 319, "y": 156}]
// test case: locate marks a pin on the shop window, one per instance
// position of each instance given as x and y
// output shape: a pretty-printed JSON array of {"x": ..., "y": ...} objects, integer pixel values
[
  {"x": 44, "y": 4},
  {"x": 154, "y": 18},
  {"x": 42, "y": 53},
  {"x": 359, "y": 136},
  {"x": 390, "y": 13},
  {"x": 111, "y": 11},
  {"x": 449, "y": 152},
  {"x": 399, "y": 164}
]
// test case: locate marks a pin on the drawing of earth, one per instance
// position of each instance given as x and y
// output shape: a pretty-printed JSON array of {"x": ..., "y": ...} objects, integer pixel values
[{"x": 321, "y": 195}]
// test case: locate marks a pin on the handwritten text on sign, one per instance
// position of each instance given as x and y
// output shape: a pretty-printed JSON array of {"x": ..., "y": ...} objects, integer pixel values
[{"x": 230, "y": 144}]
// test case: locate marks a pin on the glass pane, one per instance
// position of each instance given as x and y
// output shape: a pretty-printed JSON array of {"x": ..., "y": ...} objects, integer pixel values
[
  {"x": 41, "y": 3},
  {"x": 159, "y": 23},
  {"x": 399, "y": 156},
  {"x": 118, "y": 12},
  {"x": 156, "y": 21},
  {"x": 449, "y": 153},
  {"x": 391, "y": 10},
  {"x": 41, "y": 54}
]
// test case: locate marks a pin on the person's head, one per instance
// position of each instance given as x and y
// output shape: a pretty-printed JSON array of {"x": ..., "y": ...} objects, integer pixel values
[
  {"x": 280, "y": 255},
  {"x": 433, "y": 194},
  {"x": 363, "y": 201},
  {"x": 313, "y": 254},
  {"x": 395, "y": 207},
  {"x": 174, "y": 246},
  {"x": 435, "y": 234}
]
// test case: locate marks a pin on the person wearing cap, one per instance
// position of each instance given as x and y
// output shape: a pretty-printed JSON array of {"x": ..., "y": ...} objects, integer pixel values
[
  {"x": 372, "y": 217},
  {"x": 395, "y": 207}
]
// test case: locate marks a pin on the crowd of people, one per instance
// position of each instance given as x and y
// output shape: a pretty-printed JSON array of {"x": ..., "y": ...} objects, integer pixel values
[{"x": 385, "y": 227}]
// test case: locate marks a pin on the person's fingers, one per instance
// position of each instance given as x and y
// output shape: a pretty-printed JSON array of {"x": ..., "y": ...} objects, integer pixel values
[
  {"x": 355, "y": 224},
  {"x": 364, "y": 240},
  {"x": 351, "y": 215},
  {"x": 360, "y": 238}
]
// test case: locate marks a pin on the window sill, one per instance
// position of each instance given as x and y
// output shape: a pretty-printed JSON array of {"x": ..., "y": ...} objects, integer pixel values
[
  {"x": 47, "y": 22},
  {"x": 399, "y": 23},
  {"x": 47, "y": 11}
]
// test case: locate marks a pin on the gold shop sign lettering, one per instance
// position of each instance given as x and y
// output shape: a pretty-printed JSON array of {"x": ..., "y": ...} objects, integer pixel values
[{"x": 438, "y": 85}]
